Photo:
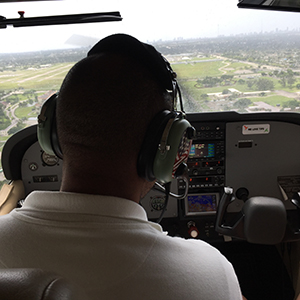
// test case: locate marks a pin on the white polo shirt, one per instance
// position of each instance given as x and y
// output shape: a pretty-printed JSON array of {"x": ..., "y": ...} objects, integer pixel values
[{"x": 107, "y": 246}]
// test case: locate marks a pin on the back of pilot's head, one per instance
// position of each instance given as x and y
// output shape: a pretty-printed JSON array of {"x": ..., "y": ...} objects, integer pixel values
[{"x": 108, "y": 99}]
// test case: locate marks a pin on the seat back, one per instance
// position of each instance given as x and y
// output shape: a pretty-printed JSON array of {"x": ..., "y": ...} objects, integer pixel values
[{"x": 36, "y": 284}]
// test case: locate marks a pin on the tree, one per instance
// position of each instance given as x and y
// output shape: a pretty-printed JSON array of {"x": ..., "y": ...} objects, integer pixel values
[
  {"x": 13, "y": 99},
  {"x": 290, "y": 72},
  {"x": 282, "y": 74},
  {"x": 210, "y": 81},
  {"x": 291, "y": 81},
  {"x": 204, "y": 96},
  {"x": 227, "y": 77},
  {"x": 264, "y": 84},
  {"x": 282, "y": 81},
  {"x": 243, "y": 103},
  {"x": 199, "y": 82},
  {"x": 292, "y": 104},
  {"x": 2, "y": 114},
  {"x": 250, "y": 83},
  {"x": 19, "y": 126}
]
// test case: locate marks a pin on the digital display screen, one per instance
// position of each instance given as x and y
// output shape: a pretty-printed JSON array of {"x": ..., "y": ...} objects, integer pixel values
[
  {"x": 202, "y": 150},
  {"x": 199, "y": 204}
]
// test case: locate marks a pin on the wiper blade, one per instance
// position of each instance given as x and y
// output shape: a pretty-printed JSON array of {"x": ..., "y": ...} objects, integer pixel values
[{"x": 61, "y": 19}]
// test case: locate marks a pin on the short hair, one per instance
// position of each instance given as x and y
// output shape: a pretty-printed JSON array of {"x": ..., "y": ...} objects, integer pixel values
[{"x": 106, "y": 103}]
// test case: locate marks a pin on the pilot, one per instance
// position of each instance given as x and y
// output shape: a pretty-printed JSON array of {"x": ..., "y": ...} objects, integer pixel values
[{"x": 109, "y": 110}]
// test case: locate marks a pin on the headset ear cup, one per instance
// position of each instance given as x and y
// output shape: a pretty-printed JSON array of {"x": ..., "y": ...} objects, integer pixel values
[
  {"x": 166, "y": 163},
  {"x": 151, "y": 143},
  {"x": 167, "y": 130},
  {"x": 47, "y": 126}
]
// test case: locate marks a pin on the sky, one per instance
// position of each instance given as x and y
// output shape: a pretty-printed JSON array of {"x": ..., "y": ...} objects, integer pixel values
[{"x": 148, "y": 21}]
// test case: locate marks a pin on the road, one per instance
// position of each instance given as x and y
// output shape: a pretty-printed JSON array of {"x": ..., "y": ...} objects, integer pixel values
[{"x": 287, "y": 94}]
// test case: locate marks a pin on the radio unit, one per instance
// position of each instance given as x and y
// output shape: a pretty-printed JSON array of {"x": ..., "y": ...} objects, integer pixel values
[
  {"x": 206, "y": 160},
  {"x": 203, "y": 182}
]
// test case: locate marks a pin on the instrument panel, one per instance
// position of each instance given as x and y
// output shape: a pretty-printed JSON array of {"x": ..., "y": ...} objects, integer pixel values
[{"x": 255, "y": 154}]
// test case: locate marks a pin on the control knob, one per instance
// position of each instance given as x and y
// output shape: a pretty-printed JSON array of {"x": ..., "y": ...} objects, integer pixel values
[{"x": 193, "y": 230}]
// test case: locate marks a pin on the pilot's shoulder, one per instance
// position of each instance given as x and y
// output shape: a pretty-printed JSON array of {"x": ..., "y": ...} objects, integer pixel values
[
  {"x": 194, "y": 251},
  {"x": 193, "y": 259}
]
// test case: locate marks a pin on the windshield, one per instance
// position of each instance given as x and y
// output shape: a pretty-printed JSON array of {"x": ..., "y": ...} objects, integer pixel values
[{"x": 226, "y": 59}]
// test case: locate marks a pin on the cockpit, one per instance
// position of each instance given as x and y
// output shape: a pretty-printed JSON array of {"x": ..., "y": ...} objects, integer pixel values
[{"x": 240, "y": 85}]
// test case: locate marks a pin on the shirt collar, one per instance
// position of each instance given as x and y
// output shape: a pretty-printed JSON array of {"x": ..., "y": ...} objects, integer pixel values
[{"x": 85, "y": 204}]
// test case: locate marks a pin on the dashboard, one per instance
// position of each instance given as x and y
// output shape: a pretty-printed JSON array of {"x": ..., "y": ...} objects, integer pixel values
[{"x": 254, "y": 154}]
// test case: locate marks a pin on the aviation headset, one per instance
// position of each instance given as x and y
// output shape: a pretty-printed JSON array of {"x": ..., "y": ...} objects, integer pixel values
[{"x": 167, "y": 142}]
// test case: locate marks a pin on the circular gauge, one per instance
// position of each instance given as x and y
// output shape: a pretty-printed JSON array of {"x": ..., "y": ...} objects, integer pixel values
[
  {"x": 157, "y": 202},
  {"x": 49, "y": 160}
]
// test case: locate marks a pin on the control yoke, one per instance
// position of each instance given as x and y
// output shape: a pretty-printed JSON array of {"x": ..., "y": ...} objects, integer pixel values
[{"x": 262, "y": 220}]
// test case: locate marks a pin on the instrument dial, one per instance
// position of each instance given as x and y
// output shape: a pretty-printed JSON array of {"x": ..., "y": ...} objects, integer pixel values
[
  {"x": 49, "y": 160},
  {"x": 157, "y": 202}
]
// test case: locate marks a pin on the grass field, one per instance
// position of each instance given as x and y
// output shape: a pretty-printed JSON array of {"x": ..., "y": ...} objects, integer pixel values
[
  {"x": 273, "y": 100},
  {"x": 25, "y": 112},
  {"x": 198, "y": 70}
]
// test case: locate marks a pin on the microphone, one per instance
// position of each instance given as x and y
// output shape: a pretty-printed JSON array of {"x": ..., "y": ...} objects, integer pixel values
[{"x": 180, "y": 173}]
